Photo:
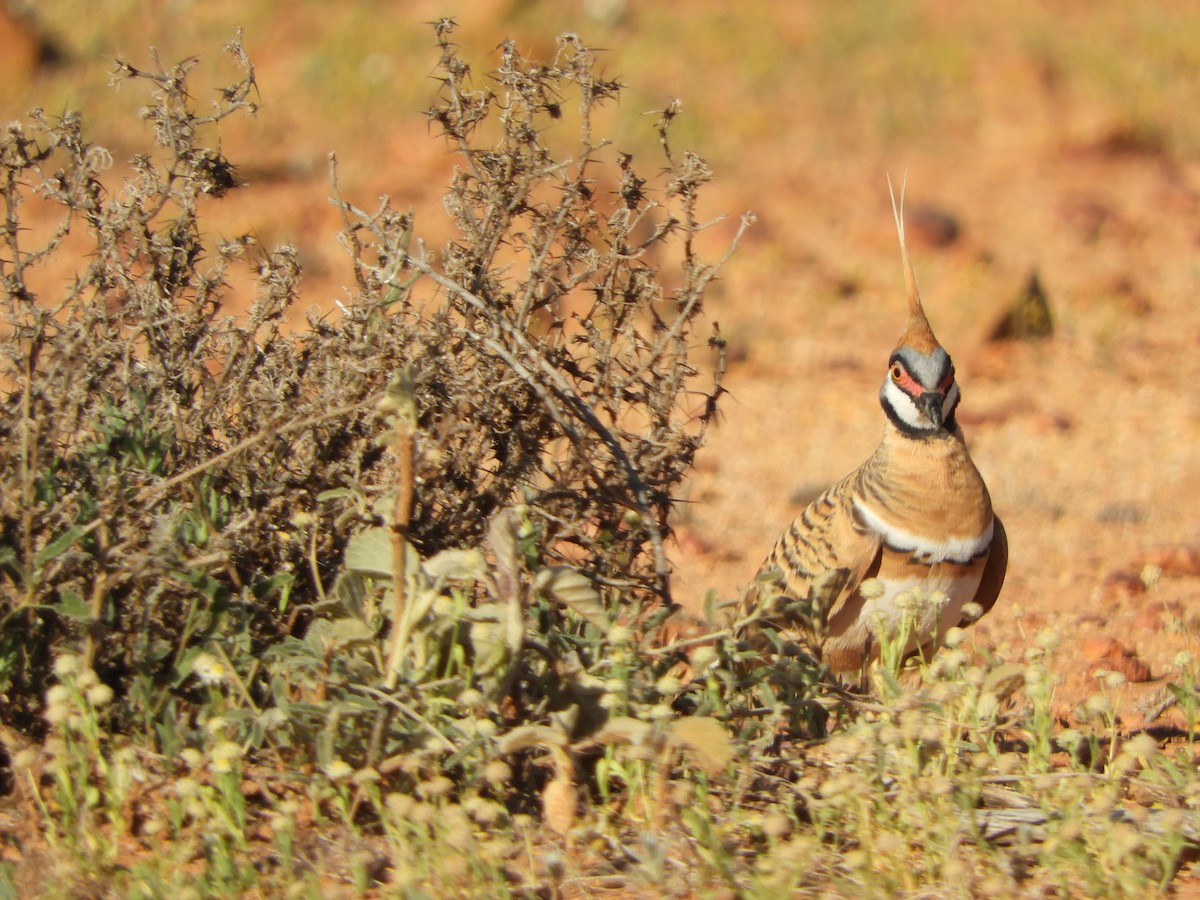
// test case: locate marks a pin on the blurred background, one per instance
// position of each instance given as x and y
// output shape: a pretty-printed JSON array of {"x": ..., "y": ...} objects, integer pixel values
[
  {"x": 1000, "y": 116},
  {"x": 1058, "y": 139}
]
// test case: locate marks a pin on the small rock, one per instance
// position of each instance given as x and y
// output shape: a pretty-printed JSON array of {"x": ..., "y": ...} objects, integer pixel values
[
  {"x": 931, "y": 226},
  {"x": 1131, "y": 296},
  {"x": 1134, "y": 670},
  {"x": 1085, "y": 215},
  {"x": 1096, "y": 647},
  {"x": 1107, "y": 653},
  {"x": 1123, "y": 584},
  {"x": 1121, "y": 139},
  {"x": 1156, "y": 616}
]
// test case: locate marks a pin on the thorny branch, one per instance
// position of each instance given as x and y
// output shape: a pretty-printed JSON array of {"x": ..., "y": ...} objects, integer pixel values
[{"x": 555, "y": 277}]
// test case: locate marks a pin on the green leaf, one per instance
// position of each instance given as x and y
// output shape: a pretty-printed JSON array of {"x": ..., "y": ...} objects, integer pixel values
[
  {"x": 463, "y": 753},
  {"x": 1004, "y": 680},
  {"x": 326, "y": 741},
  {"x": 351, "y": 631},
  {"x": 338, "y": 634},
  {"x": 574, "y": 590},
  {"x": 1182, "y": 694},
  {"x": 400, "y": 398},
  {"x": 623, "y": 730},
  {"x": 277, "y": 585},
  {"x": 486, "y": 612},
  {"x": 502, "y": 536},
  {"x": 455, "y": 565},
  {"x": 186, "y": 662},
  {"x": 58, "y": 546},
  {"x": 531, "y": 736},
  {"x": 334, "y": 494},
  {"x": 72, "y": 606},
  {"x": 369, "y": 552},
  {"x": 420, "y": 601},
  {"x": 491, "y": 650},
  {"x": 348, "y": 596}
]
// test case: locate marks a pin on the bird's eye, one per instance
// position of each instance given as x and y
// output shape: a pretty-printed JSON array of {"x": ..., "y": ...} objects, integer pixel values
[{"x": 897, "y": 371}]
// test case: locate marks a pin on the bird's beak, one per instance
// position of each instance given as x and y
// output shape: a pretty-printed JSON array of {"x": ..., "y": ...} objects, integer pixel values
[{"x": 931, "y": 404}]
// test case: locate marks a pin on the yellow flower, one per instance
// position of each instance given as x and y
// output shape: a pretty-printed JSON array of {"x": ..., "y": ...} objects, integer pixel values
[
  {"x": 225, "y": 756},
  {"x": 209, "y": 669}
]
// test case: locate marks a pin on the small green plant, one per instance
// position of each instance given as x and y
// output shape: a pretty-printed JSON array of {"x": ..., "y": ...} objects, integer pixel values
[
  {"x": 1185, "y": 690},
  {"x": 91, "y": 779}
]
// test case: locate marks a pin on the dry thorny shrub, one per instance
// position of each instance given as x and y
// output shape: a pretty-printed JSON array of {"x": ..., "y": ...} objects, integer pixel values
[
  {"x": 568, "y": 365},
  {"x": 175, "y": 477}
]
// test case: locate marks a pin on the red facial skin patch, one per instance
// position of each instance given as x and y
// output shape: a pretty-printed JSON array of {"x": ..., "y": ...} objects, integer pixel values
[
  {"x": 912, "y": 387},
  {"x": 906, "y": 382}
]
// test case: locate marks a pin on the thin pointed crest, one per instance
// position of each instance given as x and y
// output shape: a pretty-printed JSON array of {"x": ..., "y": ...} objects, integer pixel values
[{"x": 917, "y": 333}]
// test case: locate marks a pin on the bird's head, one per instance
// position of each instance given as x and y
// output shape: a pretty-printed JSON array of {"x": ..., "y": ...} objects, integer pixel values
[{"x": 919, "y": 393}]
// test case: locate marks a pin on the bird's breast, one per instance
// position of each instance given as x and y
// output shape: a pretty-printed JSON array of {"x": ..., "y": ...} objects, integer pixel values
[{"x": 936, "y": 537}]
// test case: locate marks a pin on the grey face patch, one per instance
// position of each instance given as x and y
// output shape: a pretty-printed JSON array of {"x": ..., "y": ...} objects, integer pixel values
[{"x": 927, "y": 368}]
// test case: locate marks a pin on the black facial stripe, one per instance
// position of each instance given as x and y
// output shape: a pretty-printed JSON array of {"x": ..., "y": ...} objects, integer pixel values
[
  {"x": 949, "y": 422},
  {"x": 908, "y": 429}
]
